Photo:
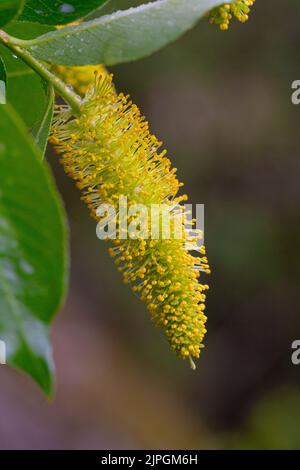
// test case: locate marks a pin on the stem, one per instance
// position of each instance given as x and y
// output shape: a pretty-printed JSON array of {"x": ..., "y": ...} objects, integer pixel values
[
  {"x": 192, "y": 364},
  {"x": 69, "y": 96}
]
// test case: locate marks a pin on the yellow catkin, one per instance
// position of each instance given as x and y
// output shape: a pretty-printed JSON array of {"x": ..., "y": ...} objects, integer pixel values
[
  {"x": 223, "y": 14},
  {"x": 110, "y": 153}
]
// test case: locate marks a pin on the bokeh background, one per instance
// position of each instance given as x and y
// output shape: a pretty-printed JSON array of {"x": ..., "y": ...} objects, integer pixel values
[{"x": 221, "y": 102}]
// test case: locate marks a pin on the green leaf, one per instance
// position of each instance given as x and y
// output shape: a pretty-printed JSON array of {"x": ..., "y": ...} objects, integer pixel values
[
  {"x": 2, "y": 82},
  {"x": 42, "y": 130},
  {"x": 9, "y": 9},
  {"x": 123, "y": 36},
  {"x": 58, "y": 11},
  {"x": 32, "y": 252},
  {"x": 28, "y": 96}
]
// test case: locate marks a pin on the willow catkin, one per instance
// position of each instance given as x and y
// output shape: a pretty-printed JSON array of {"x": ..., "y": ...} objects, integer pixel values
[{"x": 110, "y": 153}]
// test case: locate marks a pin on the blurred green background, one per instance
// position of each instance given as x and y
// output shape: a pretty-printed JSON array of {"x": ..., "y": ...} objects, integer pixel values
[{"x": 221, "y": 102}]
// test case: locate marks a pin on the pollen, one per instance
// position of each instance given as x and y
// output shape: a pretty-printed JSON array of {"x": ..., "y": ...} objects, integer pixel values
[
  {"x": 110, "y": 153},
  {"x": 223, "y": 14}
]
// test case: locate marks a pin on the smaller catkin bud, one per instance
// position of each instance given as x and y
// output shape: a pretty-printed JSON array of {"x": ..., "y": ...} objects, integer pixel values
[
  {"x": 223, "y": 14},
  {"x": 79, "y": 78}
]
